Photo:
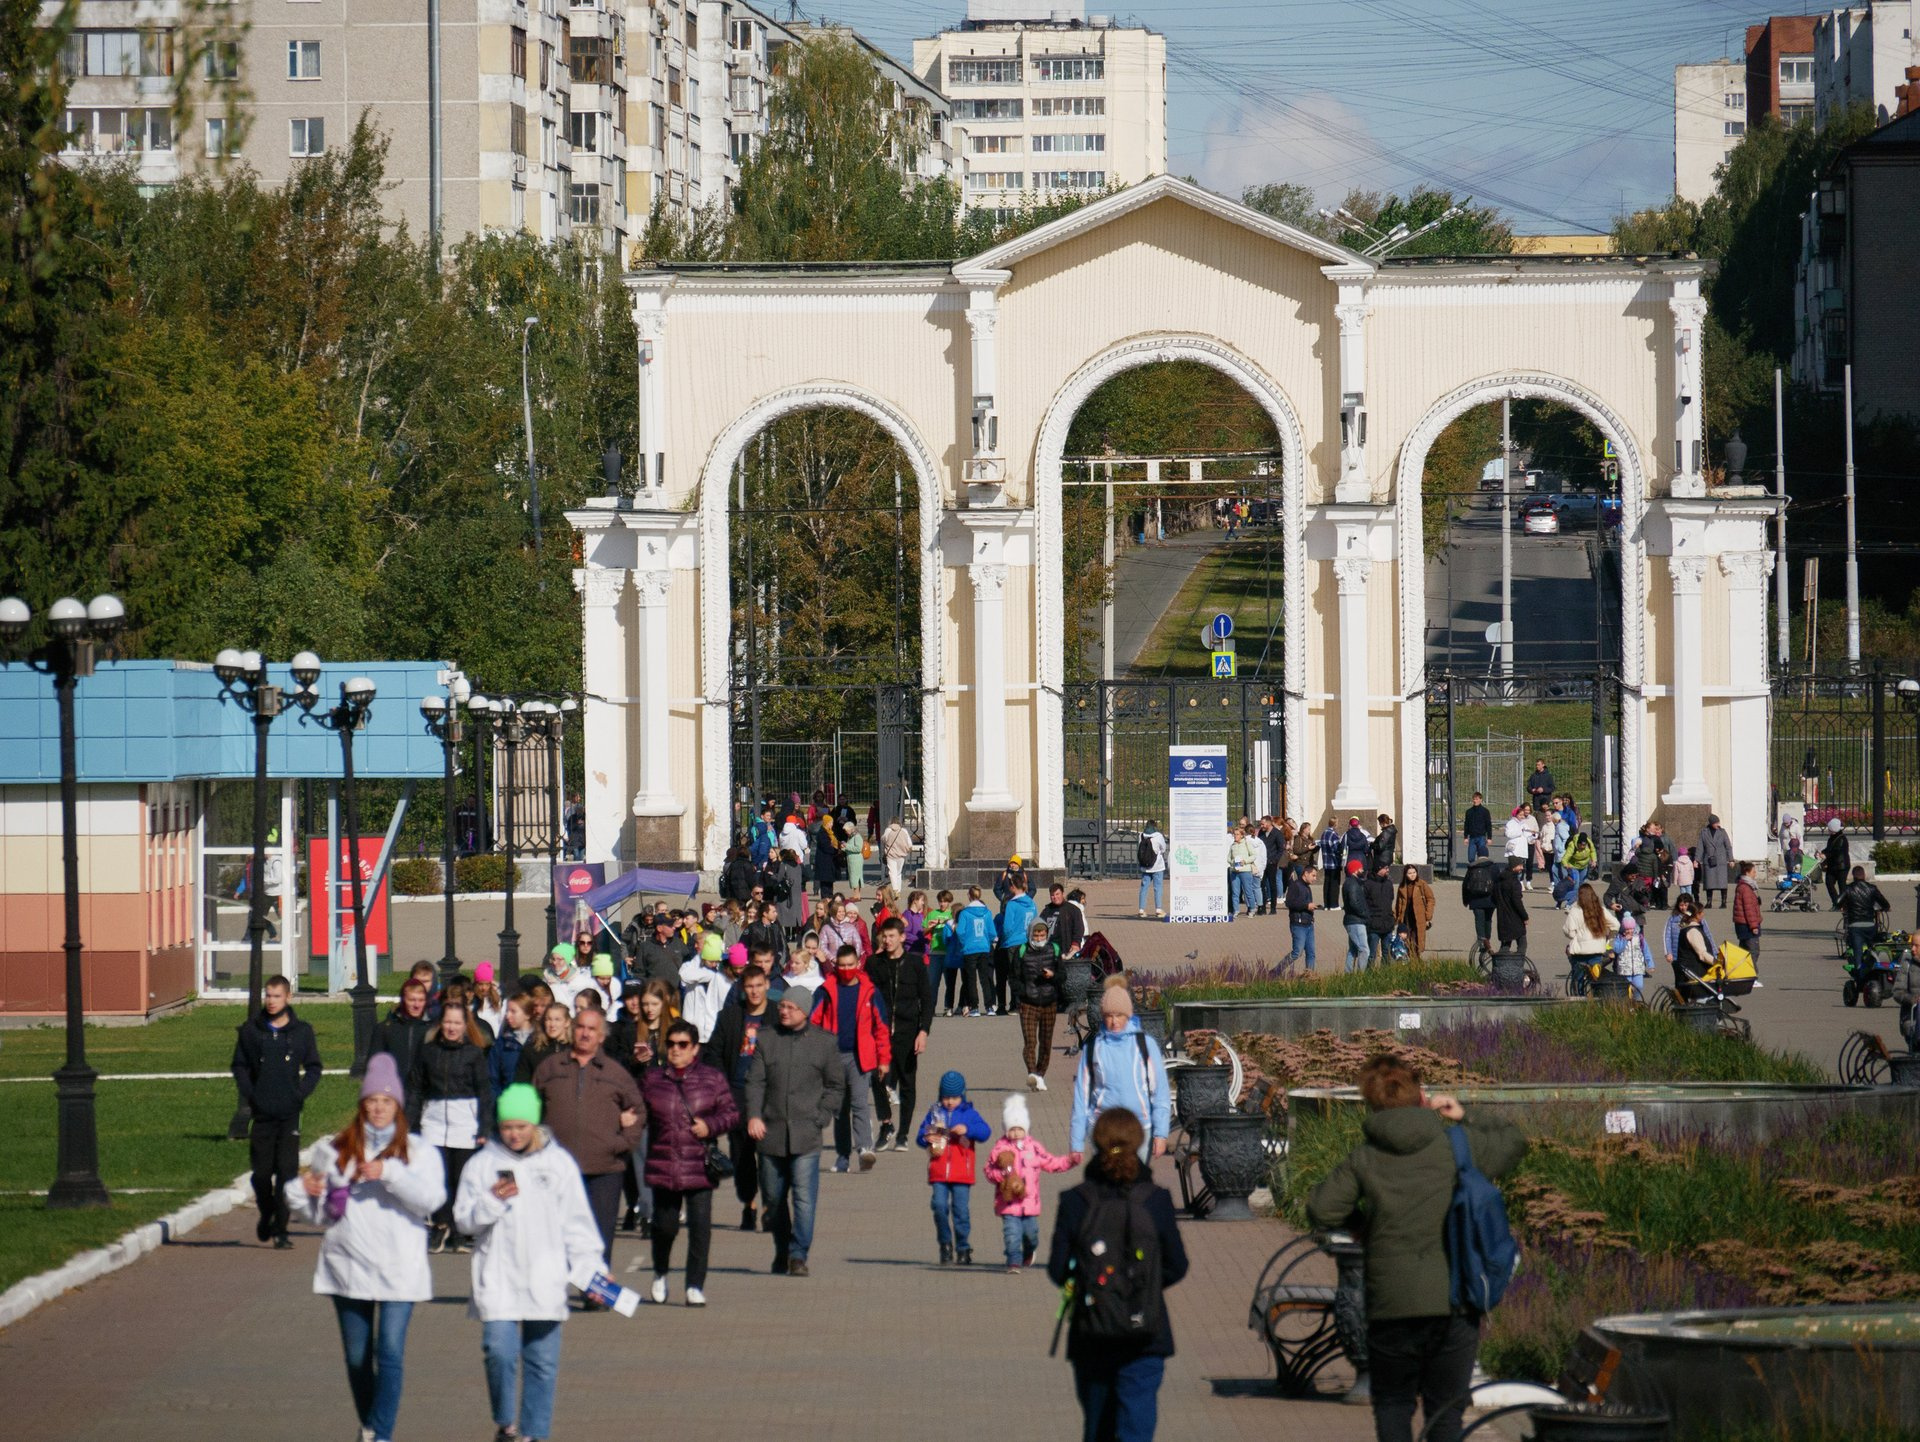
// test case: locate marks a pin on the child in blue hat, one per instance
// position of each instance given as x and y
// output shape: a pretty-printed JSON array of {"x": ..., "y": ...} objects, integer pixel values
[{"x": 950, "y": 1133}]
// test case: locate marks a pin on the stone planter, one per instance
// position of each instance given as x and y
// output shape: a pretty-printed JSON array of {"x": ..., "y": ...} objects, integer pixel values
[
  {"x": 1700, "y": 1016},
  {"x": 1350, "y": 1315},
  {"x": 1583, "y": 1422},
  {"x": 1610, "y": 988},
  {"x": 1233, "y": 1161},
  {"x": 1903, "y": 1071},
  {"x": 1076, "y": 982},
  {"x": 1200, "y": 1091},
  {"x": 1302, "y": 1016},
  {"x": 1154, "y": 1024}
]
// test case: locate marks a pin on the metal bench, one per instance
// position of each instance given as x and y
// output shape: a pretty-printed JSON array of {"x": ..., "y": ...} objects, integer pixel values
[{"x": 1308, "y": 1325}]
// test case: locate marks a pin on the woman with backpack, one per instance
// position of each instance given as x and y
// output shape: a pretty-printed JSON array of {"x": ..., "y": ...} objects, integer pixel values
[
  {"x": 1116, "y": 1249},
  {"x": 1421, "y": 1344}
]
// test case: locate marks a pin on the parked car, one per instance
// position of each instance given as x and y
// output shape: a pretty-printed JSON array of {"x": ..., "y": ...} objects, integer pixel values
[
  {"x": 1539, "y": 517},
  {"x": 1579, "y": 510}
]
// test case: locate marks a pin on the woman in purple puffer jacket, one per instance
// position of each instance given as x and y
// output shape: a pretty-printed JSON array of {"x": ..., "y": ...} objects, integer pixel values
[{"x": 689, "y": 1107}]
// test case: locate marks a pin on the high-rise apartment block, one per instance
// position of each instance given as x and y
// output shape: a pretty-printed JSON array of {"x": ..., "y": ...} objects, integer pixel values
[
  {"x": 1862, "y": 55},
  {"x": 1780, "y": 69},
  {"x": 1709, "y": 119},
  {"x": 1048, "y": 99}
]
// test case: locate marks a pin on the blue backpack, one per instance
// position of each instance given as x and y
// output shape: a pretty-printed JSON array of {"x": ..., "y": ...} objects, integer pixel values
[{"x": 1481, "y": 1253}]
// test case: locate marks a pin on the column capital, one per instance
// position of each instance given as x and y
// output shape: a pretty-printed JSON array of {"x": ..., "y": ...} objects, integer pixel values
[
  {"x": 1746, "y": 570},
  {"x": 1686, "y": 574},
  {"x": 1352, "y": 316},
  {"x": 1689, "y": 311},
  {"x": 653, "y": 586},
  {"x": 600, "y": 586},
  {"x": 989, "y": 579},
  {"x": 1353, "y": 572},
  {"x": 982, "y": 320}
]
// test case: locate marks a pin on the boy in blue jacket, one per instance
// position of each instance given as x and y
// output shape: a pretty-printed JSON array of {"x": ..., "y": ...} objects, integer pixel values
[
  {"x": 949, "y": 1134},
  {"x": 1016, "y": 919},
  {"x": 973, "y": 935}
]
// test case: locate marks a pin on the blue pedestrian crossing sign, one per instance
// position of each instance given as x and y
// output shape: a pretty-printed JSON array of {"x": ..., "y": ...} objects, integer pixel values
[
  {"x": 1223, "y": 667},
  {"x": 1222, "y": 626}
]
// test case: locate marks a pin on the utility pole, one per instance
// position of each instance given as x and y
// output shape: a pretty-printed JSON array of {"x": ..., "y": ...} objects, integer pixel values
[
  {"x": 1853, "y": 548},
  {"x": 1506, "y": 537},
  {"x": 435, "y": 209},
  {"x": 1781, "y": 586},
  {"x": 526, "y": 411}
]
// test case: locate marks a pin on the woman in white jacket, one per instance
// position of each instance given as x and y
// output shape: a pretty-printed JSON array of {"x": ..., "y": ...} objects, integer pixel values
[
  {"x": 373, "y": 1187},
  {"x": 524, "y": 1204}
]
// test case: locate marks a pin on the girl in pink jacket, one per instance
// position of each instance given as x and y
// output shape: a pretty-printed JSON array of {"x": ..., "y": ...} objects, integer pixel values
[{"x": 1014, "y": 1168}]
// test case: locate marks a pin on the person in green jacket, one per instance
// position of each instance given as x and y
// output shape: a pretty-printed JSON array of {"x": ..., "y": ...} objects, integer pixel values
[{"x": 1396, "y": 1188}]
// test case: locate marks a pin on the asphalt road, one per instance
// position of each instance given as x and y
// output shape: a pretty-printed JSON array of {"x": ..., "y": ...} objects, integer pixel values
[
  {"x": 1147, "y": 580},
  {"x": 1553, "y": 595}
]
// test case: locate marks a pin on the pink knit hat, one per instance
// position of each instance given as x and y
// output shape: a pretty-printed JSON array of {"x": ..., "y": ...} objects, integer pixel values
[
  {"x": 483, "y": 971},
  {"x": 382, "y": 1079}
]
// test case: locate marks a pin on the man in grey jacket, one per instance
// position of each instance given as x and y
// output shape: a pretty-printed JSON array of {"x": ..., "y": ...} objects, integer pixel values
[{"x": 794, "y": 1089}]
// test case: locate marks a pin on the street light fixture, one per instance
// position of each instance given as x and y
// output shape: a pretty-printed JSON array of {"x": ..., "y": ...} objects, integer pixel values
[
  {"x": 243, "y": 681},
  {"x": 510, "y": 726},
  {"x": 442, "y": 714},
  {"x": 349, "y": 716},
  {"x": 547, "y": 722},
  {"x": 76, "y": 630}
]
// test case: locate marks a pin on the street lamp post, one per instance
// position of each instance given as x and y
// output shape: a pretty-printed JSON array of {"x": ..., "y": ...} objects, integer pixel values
[
  {"x": 356, "y": 701},
  {"x": 243, "y": 681},
  {"x": 510, "y": 727},
  {"x": 68, "y": 654},
  {"x": 442, "y": 715},
  {"x": 546, "y": 721}
]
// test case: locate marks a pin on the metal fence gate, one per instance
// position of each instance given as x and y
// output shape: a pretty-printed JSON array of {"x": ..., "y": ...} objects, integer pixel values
[
  {"x": 1587, "y": 767},
  {"x": 871, "y": 756},
  {"x": 1849, "y": 746},
  {"x": 1117, "y": 735}
]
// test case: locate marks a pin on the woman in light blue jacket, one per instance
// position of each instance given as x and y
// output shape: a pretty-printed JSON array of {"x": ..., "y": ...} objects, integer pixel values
[{"x": 1121, "y": 1068}]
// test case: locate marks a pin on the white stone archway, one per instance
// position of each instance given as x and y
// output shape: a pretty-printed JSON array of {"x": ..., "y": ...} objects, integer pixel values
[
  {"x": 1049, "y": 548},
  {"x": 1409, "y": 485},
  {"x": 716, "y": 611}
]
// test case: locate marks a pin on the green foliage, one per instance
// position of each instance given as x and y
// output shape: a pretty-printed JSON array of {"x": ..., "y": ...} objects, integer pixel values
[
  {"x": 1651, "y": 1046},
  {"x": 1291, "y": 204},
  {"x": 1895, "y": 857},
  {"x": 1232, "y": 981},
  {"x": 419, "y": 876},
  {"x": 480, "y": 873},
  {"x": 1477, "y": 230}
]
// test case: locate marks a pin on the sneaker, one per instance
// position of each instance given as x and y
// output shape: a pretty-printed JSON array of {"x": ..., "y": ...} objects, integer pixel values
[
  {"x": 696, "y": 1297},
  {"x": 438, "y": 1243},
  {"x": 748, "y": 1218},
  {"x": 1014, "y": 1269},
  {"x": 843, "y": 1165},
  {"x": 630, "y": 1221},
  {"x": 1026, "y": 1255},
  {"x": 797, "y": 1269},
  {"x": 263, "y": 1230},
  {"x": 1159, "y": 915},
  {"x": 659, "y": 1289},
  {"x": 1141, "y": 915},
  {"x": 964, "y": 1257},
  {"x": 780, "y": 1265},
  {"x": 508, "y": 1433},
  {"x": 283, "y": 1243},
  {"x": 461, "y": 1244},
  {"x": 1033, "y": 1081},
  {"x": 886, "y": 1136},
  {"x": 1039, "y": 1083},
  {"x": 946, "y": 1256},
  {"x": 866, "y": 1161},
  {"x": 901, "y": 1144}
]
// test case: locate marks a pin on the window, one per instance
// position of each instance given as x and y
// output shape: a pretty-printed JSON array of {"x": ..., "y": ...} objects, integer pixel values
[
  {"x": 223, "y": 60},
  {"x": 740, "y": 93},
  {"x": 583, "y": 131},
  {"x": 659, "y": 136},
  {"x": 106, "y": 132},
  {"x": 307, "y": 137},
  {"x": 674, "y": 97},
  {"x": 1069, "y": 179},
  {"x": 1736, "y": 100},
  {"x": 740, "y": 146},
  {"x": 740, "y": 34},
  {"x": 303, "y": 60},
  {"x": 1736, "y": 127},
  {"x": 517, "y": 130},
  {"x": 216, "y": 137},
  {"x": 693, "y": 100},
  {"x": 590, "y": 58},
  {"x": 1068, "y": 144},
  {"x": 118, "y": 52},
  {"x": 996, "y": 144},
  {"x": 693, "y": 31},
  {"x": 517, "y": 54},
  {"x": 546, "y": 65},
  {"x": 1075, "y": 67},
  {"x": 1793, "y": 114},
  {"x": 1796, "y": 70},
  {"x": 584, "y": 208},
  {"x": 987, "y": 110},
  {"x": 983, "y": 72},
  {"x": 1071, "y": 105},
  {"x": 995, "y": 180}
]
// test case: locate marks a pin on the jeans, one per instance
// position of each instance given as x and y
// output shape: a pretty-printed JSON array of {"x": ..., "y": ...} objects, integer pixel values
[
  {"x": 1476, "y": 848},
  {"x": 1270, "y": 885},
  {"x": 1246, "y": 892},
  {"x": 1428, "y": 1359},
  {"x": 1156, "y": 881},
  {"x": 1575, "y": 876},
  {"x": 1022, "y": 1237},
  {"x": 1119, "y": 1400},
  {"x": 854, "y": 1126},
  {"x": 955, "y": 1198},
  {"x": 1859, "y": 938},
  {"x": 1001, "y": 995},
  {"x": 374, "y": 1337},
  {"x": 666, "y": 1226},
  {"x": 791, "y": 1186},
  {"x": 603, "y": 1200},
  {"x": 1377, "y": 953},
  {"x": 1302, "y": 942},
  {"x": 273, "y": 1143},
  {"x": 1356, "y": 945},
  {"x": 522, "y": 1356}
]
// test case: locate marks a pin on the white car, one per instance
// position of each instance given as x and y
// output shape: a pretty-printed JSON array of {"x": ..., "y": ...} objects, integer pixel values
[{"x": 1539, "y": 518}]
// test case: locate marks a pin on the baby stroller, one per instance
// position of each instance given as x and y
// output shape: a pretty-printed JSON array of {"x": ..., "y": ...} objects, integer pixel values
[
  {"x": 1794, "y": 892},
  {"x": 1731, "y": 973},
  {"x": 1081, "y": 978}
]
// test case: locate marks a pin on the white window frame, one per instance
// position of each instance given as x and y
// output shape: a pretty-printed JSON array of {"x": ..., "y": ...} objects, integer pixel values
[
  {"x": 300, "y": 137},
  {"x": 297, "y": 54},
  {"x": 217, "y": 126}
]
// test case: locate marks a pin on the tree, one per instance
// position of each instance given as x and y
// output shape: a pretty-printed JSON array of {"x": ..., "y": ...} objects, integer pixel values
[
  {"x": 1476, "y": 230},
  {"x": 1290, "y": 203}
]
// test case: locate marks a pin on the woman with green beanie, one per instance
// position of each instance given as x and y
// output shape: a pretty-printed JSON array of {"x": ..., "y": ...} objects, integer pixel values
[{"x": 523, "y": 1203}]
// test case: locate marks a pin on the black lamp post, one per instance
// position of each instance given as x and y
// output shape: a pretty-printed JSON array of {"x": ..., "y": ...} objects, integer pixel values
[
  {"x": 547, "y": 722},
  {"x": 67, "y": 655},
  {"x": 442, "y": 715},
  {"x": 510, "y": 727},
  {"x": 243, "y": 681},
  {"x": 356, "y": 701}
]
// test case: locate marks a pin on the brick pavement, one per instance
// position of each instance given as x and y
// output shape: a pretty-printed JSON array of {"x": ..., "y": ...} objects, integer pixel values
[{"x": 217, "y": 1337}]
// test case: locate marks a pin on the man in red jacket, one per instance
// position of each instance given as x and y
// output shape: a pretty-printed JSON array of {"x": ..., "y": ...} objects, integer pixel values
[{"x": 852, "y": 1009}]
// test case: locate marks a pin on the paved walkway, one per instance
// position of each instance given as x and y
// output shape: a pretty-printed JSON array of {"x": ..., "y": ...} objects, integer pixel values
[{"x": 218, "y": 1337}]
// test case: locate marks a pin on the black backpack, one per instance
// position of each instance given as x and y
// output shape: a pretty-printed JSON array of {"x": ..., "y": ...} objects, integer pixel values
[
  {"x": 1478, "y": 884},
  {"x": 1147, "y": 853},
  {"x": 1115, "y": 1266}
]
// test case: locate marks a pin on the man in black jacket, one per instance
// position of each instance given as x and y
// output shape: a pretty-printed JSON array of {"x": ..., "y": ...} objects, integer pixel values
[
  {"x": 1510, "y": 914},
  {"x": 1835, "y": 859},
  {"x": 730, "y": 1051},
  {"x": 900, "y": 977},
  {"x": 1540, "y": 789},
  {"x": 1353, "y": 916},
  {"x": 276, "y": 1066},
  {"x": 662, "y": 955},
  {"x": 1379, "y": 915},
  {"x": 406, "y": 1028},
  {"x": 1477, "y": 828},
  {"x": 1066, "y": 927},
  {"x": 1861, "y": 906},
  {"x": 1275, "y": 841}
]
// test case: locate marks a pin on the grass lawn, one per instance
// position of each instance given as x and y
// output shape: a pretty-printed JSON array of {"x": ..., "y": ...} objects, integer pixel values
[
  {"x": 167, "y": 1138},
  {"x": 1230, "y": 579},
  {"x": 1535, "y": 721}
]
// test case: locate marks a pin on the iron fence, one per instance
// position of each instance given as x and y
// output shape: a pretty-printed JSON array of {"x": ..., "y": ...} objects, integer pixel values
[{"x": 1849, "y": 746}]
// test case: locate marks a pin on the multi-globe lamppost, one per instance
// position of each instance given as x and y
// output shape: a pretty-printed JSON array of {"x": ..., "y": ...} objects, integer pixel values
[
  {"x": 243, "y": 681},
  {"x": 345, "y": 718},
  {"x": 515, "y": 721},
  {"x": 74, "y": 630},
  {"x": 442, "y": 715}
]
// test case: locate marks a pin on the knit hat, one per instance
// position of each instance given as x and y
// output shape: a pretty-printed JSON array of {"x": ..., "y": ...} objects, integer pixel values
[
  {"x": 1013, "y": 1113},
  {"x": 483, "y": 971},
  {"x": 800, "y": 994},
  {"x": 737, "y": 954},
  {"x": 1833, "y": 823},
  {"x": 563, "y": 953},
  {"x": 603, "y": 966},
  {"x": 952, "y": 1084},
  {"x": 713, "y": 946},
  {"x": 518, "y": 1103},
  {"x": 382, "y": 1079},
  {"x": 1116, "y": 1001}
]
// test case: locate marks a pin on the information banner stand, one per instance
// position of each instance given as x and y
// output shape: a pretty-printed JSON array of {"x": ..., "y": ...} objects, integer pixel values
[{"x": 1197, "y": 837}]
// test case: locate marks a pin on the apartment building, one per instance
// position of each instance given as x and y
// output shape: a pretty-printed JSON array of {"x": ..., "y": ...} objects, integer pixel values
[
  {"x": 922, "y": 117},
  {"x": 533, "y": 101},
  {"x": 1709, "y": 119},
  {"x": 1048, "y": 99},
  {"x": 1861, "y": 55},
  {"x": 1780, "y": 69}
]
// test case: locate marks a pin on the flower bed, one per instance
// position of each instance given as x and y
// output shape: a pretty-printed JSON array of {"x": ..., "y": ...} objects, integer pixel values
[{"x": 1237, "y": 979}]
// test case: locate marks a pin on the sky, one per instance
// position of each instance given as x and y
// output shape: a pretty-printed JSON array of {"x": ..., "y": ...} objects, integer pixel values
[{"x": 1560, "y": 112}]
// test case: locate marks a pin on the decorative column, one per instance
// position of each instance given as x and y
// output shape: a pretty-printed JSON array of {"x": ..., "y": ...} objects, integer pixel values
[
  {"x": 985, "y": 465},
  {"x": 1743, "y": 810},
  {"x": 658, "y": 805},
  {"x": 650, "y": 322},
  {"x": 1689, "y": 325},
  {"x": 1353, "y": 485},
  {"x": 992, "y": 811},
  {"x": 1684, "y": 689},
  {"x": 1353, "y": 568},
  {"x": 604, "y": 721}
]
